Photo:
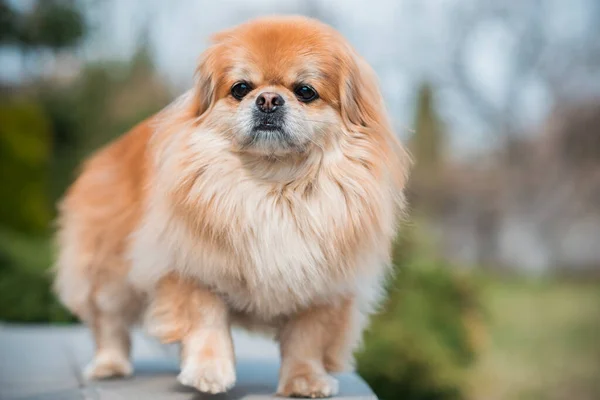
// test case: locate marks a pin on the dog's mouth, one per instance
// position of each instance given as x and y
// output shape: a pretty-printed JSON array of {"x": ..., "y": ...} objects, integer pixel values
[
  {"x": 270, "y": 135},
  {"x": 266, "y": 127},
  {"x": 268, "y": 123},
  {"x": 270, "y": 138},
  {"x": 269, "y": 128}
]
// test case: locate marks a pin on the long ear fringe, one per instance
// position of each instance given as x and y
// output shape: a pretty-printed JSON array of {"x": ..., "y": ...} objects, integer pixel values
[
  {"x": 363, "y": 111},
  {"x": 205, "y": 81}
]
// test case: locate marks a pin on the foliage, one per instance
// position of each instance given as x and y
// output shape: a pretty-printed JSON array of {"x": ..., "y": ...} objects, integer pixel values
[
  {"x": 52, "y": 24},
  {"x": 25, "y": 283},
  {"x": 25, "y": 214},
  {"x": 24, "y": 158},
  {"x": 427, "y": 144},
  {"x": 8, "y": 29},
  {"x": 45, "y": 133},
  {"x": 420, "y": 344}
]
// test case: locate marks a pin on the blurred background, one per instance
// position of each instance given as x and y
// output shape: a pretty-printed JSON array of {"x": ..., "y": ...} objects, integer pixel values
[{"x": 496, "y": 293}]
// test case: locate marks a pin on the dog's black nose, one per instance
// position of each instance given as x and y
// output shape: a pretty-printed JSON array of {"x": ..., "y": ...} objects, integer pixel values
[{"x": 269, "y": 102}]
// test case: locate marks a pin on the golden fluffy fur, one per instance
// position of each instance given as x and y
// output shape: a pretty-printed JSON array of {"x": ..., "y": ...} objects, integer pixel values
[{"x": 195, "y": 219}]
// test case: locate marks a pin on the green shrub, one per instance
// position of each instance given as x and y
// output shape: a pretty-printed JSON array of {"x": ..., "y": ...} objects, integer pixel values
[
  {"x": 25, "y": 148},
  {"x": 419, "y": 345},
  {"x": 25, "y": 282},
  {"x": 46, "y": 130}
]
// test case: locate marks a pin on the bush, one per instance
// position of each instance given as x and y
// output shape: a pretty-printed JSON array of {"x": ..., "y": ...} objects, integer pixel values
[
  {"x": 45, "y": 132},
  {"x": 25, "y": 282},
  {"x": 25, "y": 148},
  {"x": 419, "y": 345}
]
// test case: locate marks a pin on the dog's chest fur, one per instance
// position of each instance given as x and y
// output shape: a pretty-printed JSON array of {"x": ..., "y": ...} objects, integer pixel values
[{"x": 268, "y": 248}]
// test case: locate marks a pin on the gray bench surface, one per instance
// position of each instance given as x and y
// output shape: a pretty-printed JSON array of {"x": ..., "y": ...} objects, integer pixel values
[{"x": 45, "y": 363}]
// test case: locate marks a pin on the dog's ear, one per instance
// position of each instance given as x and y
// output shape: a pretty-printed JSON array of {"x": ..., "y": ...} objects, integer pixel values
[
  {"x": 205, "y": 80},
  {"x": 364, "y": 114},
  {"x": 361, "y": 103}
]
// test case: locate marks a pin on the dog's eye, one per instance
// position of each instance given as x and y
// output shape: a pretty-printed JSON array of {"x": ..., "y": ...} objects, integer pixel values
[
  {"x": 305, "y": 93},
  {"x": 240, "y": 89}
]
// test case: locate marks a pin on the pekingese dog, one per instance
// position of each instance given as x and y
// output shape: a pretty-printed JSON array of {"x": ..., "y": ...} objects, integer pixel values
[{"x": 266, "y": 196}]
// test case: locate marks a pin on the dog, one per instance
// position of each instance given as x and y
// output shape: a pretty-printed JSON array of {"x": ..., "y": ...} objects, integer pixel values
[{"x": 267, "y": 196}]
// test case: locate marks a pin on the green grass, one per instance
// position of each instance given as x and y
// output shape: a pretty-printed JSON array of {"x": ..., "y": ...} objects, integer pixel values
[{"x": 543, "y": 341}]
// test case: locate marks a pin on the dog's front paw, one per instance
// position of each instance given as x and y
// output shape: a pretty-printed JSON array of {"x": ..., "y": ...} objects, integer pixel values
[
  {"x": 212, "y": 375},
  {"x": 309, "y": 385},
  {"x": 108, "y": 365}
]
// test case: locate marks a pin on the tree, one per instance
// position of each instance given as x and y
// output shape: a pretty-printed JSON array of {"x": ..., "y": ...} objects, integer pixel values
[
  {"x": 565, "y": 65},
  {"x": 427, "y": 142},
  {"x": 427, "y": 148},
  {"x": 51, "y": 24}
]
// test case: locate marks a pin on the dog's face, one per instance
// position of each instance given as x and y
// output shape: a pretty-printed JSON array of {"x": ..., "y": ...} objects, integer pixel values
[{"x": 277, "y": 86}]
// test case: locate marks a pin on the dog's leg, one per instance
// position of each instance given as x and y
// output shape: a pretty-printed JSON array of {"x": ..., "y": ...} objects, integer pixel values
[
  {"x": 313, "y": 343},
  {"x": 113, "y": 308},
  {"x": 183, "y": 311}
]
